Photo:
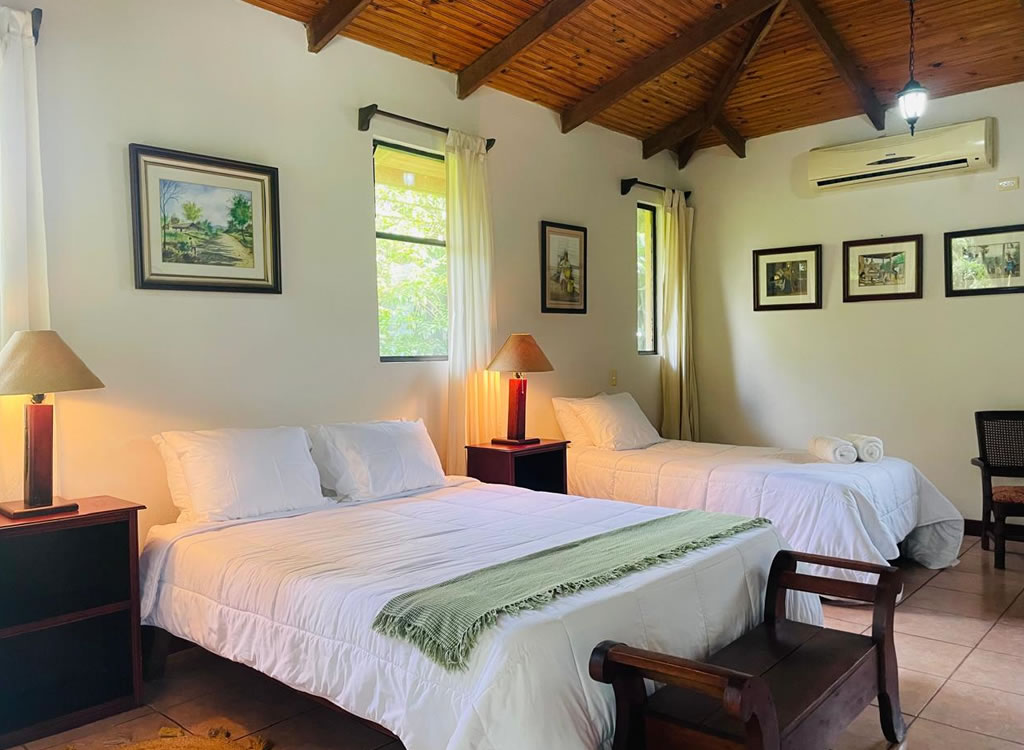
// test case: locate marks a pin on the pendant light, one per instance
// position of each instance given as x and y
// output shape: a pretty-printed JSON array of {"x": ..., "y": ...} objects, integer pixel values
[{"x": 913, "y": 99}]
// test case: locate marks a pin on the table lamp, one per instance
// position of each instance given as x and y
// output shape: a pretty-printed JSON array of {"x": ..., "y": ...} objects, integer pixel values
[
  {"x": 518, "y": 355},
  {"x": 34, "y": 363}
]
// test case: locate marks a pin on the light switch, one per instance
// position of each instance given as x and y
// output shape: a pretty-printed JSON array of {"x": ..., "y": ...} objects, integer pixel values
[
  {"x": 1009, "y": 183},
  {"x": 613, "y": 378}
]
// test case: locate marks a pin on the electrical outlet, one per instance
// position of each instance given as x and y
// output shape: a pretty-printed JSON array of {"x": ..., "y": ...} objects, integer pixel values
[
  {"x": 613, "y": 378},
  {"x": 1009, "y": 183}
]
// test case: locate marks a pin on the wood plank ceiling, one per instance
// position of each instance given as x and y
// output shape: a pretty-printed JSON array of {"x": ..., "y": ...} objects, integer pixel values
[{"x": 688, "y": 75}]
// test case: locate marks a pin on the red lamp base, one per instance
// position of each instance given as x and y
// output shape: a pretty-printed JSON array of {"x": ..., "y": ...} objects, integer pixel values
[
  {"x": 39, "y": 500},
  {"x": 516, "y": 415}
]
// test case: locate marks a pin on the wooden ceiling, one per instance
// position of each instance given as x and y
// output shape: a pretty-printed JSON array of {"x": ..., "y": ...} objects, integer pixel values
[{"x": 687, "y": 75}]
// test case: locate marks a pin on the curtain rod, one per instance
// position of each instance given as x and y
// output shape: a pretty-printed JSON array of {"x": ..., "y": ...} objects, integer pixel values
[
  {"x": 629, "y": 183},
  {"x": 37, "y": 21},
  {"x": 367, "y": 113}
]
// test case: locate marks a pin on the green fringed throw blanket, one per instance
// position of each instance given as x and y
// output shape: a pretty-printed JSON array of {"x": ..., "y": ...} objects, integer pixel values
[{"x": 444, "y": 621}]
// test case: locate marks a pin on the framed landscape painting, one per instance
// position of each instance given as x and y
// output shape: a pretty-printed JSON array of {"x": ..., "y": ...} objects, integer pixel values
[
  {"x": 883, "y": 268},
  {"x": 984, "y": 261},
  {"x": 787, "y": 278},
  {"x": 204, "y": 223},
  {"x": 563, "y": 259}
]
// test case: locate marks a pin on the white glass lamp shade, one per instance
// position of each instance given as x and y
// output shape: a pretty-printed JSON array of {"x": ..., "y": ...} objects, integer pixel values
[{"x": 913, "y": 101}]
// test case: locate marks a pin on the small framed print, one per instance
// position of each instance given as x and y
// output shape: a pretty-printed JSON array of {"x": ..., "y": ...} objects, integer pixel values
[
  {"x": 563, "y": 278},
  {"x": 787, "y": 278},
  {"x": 205, "y": 224},
  {"x": 884, "y": 268},
  {"x": 984, "y": 261}
]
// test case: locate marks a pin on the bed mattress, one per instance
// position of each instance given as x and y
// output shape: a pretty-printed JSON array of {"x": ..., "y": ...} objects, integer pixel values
[
  {"x": 294, "y": 596},
  {"x": 862, "y": 511}
]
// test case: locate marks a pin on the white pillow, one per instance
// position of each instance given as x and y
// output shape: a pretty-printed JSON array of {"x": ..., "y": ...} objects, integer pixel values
[
  {"x": 374, "y": 460},
  {"x": 616, "y": 422},
  {"x": 218, "y": 475},
  {"x": 569, "y": 422}
]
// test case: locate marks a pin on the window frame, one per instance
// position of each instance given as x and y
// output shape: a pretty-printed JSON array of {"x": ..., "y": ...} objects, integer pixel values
[
  {"x": 653, "y": 209},
  {"x": 402, "y": 238}
]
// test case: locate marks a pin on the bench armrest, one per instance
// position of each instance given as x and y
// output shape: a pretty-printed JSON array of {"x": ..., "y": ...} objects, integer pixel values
[{"x": 743, "y": 696}]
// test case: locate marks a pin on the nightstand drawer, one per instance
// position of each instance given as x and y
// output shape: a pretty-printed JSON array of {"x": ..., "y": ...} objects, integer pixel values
[
  {"x": 54, "y": 571},
  {"x": 38, "y": 669}
]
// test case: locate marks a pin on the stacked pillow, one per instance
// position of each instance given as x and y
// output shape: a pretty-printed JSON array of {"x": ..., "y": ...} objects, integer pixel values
[
  {"x": 222, "y": 475},
  {"x": 614, "y": 422}
]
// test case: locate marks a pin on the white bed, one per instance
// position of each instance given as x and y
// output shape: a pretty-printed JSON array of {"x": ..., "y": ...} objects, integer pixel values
[
  {"x": 294, "y": 596},
  {"x": 862, "y": 511}
]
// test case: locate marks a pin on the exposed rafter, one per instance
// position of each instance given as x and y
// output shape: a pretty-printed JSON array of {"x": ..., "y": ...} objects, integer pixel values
[
  {"x": 533, "y": 28},
  {"x": 843, "y": 61},
  {"x": 688, "y": 42},
  {"x": 698, "y": 121},
  {"x": 733, "y": 139},
  {"x": 331, "y": 19}
]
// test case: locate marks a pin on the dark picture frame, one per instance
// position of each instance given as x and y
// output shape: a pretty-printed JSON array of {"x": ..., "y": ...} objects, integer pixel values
[
  {"x": 1008, "y": 255},
  {"x": 563, "y": 268},
  {"x": 217, "y": 222},
  {"x": 811, "y": 256},
  {"x": 917, "y": 275}
]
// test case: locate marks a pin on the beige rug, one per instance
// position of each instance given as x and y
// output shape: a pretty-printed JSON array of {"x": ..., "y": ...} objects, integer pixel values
[{"x": 172, "y": 738}]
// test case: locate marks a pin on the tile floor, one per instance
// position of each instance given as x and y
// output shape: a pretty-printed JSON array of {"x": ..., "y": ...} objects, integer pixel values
[{"x": 959, "y": 637}]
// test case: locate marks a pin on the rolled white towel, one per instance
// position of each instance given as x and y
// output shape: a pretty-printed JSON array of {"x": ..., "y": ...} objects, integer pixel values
[
  {"x": 869, "y": 448},
  {"x": 833, "y": 449}
]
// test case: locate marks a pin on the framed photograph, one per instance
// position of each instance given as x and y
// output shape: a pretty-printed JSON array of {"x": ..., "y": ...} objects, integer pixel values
[
  {"x": 984, "y": 261},
  {"x": 787, "y": 278},
  {"x": 885, "y": 268},
  {"x": 203, "y": 223},
  {"x": 563, "y": 263}
]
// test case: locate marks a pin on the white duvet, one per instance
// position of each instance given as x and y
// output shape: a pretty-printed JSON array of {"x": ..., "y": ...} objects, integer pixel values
[
  {"x": 861, "y": 511},
  {"x": 295, "y": 597}
]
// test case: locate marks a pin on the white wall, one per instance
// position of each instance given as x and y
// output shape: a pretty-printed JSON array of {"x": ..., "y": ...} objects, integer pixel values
[
  {"x": 224, "y": 78},
  {"x": 911, "y": 371}
]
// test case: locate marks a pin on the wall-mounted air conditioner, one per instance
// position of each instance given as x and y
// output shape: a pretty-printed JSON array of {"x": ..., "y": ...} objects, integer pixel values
[{"x": 963, "y": 147}]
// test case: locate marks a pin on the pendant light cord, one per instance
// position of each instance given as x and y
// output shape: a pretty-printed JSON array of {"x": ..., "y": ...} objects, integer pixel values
[{"x": 913, "y": 41}]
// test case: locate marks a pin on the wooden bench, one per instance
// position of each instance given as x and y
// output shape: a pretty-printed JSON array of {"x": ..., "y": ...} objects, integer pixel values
[{"x": 782, "y": 685}]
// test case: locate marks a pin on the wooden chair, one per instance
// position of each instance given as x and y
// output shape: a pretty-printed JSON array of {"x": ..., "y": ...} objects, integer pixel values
[
  {"x": 1001, "y": 444},
  {"x": 782, "y": 685}
]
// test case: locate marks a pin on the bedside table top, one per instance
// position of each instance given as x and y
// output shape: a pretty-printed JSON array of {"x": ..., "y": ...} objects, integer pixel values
[
  {"x": 87, "y": 507},
  {"x": 543, "y": 445}
]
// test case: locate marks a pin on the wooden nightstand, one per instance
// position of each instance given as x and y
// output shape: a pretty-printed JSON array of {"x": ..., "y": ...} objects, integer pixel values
[
  {"x": 538, "y": 467},
  {"x": 70, "y": 649}
]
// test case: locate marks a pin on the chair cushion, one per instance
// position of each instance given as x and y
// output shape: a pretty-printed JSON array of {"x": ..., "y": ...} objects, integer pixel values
[{"x": 1008, "y": 494}]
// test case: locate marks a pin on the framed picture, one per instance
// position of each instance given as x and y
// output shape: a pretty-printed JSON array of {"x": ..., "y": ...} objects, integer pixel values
[
  {"x": 203, "y": 223},
  {"x": 984, "y": 261},
  {"x": 787, "y": 278},
  {"x": 563, "y": 264},
  {"x": 885, "y": 268}
]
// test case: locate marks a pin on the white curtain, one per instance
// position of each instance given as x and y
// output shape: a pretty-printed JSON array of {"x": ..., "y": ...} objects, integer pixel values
[
  {"x": 24, "y": 298},
  {"x": 680, "y": 415},
  {"x": 474, "y": 399}
]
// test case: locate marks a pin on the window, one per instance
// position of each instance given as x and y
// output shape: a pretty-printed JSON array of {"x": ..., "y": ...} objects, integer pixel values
[
  {"x": 646, "y": 280},
  {"x": 412, "y": 260}
]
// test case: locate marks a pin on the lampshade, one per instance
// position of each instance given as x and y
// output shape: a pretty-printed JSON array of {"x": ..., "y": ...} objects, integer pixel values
[
  {"x": 40, "y": 362},
  {"x": 913, "y": 100},
  {"x": 520, "y": 354}
]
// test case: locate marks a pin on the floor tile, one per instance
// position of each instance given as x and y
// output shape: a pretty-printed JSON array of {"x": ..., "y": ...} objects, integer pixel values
[
  {"x": 932, "y": 597},
  {"x": 849, "y": 627},
  {"x": 1015, "y": 614},
  {"x": 189, "y": 674},
  {"x": 916, "y": 689},
  {"x": 931, "y": 657},
  {"x": 930, "y": 735},
  {"x": 979, "y": 709},
  {"x": 978, "y": 583},
  {"x": 145, "y": 727},
  {"x": 96, "y": 727},
  {"x": 237, "y": 711},
  {"x": 942, "y": 626},
  {"x": 976, "y": 560},
  {"x": 325, "y": 729},
  {"x": 989, "y": 669},
  {"x": 865, "y": 733},
  {"x": 1004, "y": 638},
  {"x": 969, "y": 542},
  {"x": 860, "y": 615}
]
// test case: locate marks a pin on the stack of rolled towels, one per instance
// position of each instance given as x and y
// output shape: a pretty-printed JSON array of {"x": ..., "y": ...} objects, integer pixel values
[{"x": 847, "y": 449}]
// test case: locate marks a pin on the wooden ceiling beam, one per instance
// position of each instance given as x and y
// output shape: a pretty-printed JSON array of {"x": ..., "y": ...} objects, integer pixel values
[
  {"x": 689, "y": 41},
  {"x": 330, "y": 21},
  {"x": 843, "y": 61},
  {"x": 478, "y": 72},
  {"x": 733, "y": 139},
  {"x": 704, "y": 118}
]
